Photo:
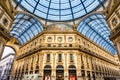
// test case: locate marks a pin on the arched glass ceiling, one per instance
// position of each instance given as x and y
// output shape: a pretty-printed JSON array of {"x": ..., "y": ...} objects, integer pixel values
[
  {"x": 59, "y": 10},
  {"x": 25, "y": 27},
  {"x": 96, "y": 29}
]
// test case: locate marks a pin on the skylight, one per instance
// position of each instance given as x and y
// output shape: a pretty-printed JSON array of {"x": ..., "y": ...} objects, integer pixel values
[
  {"x": 25, "y": 27},
  {"x": 96, "y": 29},
  {"x": 59, "y": 10}
]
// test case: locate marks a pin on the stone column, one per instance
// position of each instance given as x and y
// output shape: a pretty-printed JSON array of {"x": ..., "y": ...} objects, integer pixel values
[
  {"x": 53, "y": 72},
  {"x": 41, "y": 73},
  {"x": 53, "y": 75},
  {"x": 66, "y": 74},
  {"x": 78, "y": 70}
]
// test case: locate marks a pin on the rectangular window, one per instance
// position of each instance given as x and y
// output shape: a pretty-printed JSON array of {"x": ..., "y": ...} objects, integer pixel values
[
  {"x": 59, "y": 57},
  {"x": 48, "y": 57},
  {"x": 71, "y": 57},
  {"x": 37, "y": 58},
  {"x": 49, "y": 45}
]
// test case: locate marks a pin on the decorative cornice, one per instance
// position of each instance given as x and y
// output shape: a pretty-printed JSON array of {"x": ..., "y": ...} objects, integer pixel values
[
  {"x": 80, "y": 48},
  {"x": 65, "y": 32}
]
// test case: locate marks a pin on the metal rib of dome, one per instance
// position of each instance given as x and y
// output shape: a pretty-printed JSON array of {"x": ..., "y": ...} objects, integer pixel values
[
  {"x": 25, "y": 27},
  {"x": 96, "y": 29},
  {"x": 59, "y": 10}
]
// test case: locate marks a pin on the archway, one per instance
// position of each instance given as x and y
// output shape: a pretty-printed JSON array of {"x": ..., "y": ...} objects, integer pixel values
[
  {"x": 8, "y": 50},
  {"x": 47, "y": 72},
  {"x": 37, "y": 70},
  {"x": 59, "y": 72},
  {"x": 72, "y": 72},
  {"x": 6, "y": 62}
]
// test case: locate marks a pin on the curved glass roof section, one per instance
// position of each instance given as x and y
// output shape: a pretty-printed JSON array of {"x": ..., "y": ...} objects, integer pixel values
[
  {"x": 25, "y": 27},
  {"x": 59, "y": 10},
  {"x": 96, "y": 29}
]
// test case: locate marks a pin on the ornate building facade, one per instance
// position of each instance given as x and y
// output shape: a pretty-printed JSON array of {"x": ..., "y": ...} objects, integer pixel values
[
  {"x": 64, "y": 55},
  {"x": 61, "y": 39}
]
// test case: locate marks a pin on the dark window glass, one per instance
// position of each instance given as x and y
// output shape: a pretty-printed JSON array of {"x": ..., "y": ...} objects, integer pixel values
[
  {"x": 59, "y": 57},
  {"x": 48, "y": 57},
  {"x": 71, "y": 57}
]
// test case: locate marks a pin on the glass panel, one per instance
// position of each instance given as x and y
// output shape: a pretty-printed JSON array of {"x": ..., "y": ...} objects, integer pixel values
[
  {"x": 71, "y": 57},
  {"x": 25, "y": 27},
  {"x": 60, "y": 10},
  {"x": 96, "y": 29},
  {"x": 48, "y": 57},
  {"x": 59, "y": 57}
]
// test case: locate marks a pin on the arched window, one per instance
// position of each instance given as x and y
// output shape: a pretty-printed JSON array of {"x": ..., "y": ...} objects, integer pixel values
[{"x": 59, "y": 67}]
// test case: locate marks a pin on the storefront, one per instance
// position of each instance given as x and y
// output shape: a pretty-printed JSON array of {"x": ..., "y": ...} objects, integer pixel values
[
  {"x": 47, "y": 72},
  {"x": 72, "y": 73},
  {"x": 59, "y": 72}
]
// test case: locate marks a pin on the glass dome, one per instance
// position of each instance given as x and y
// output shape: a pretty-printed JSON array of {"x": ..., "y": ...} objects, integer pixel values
[
  {"x": 25, "y": 27},
  {"x": 96, "y": 29},
  {"x": 59, "y": 10}
]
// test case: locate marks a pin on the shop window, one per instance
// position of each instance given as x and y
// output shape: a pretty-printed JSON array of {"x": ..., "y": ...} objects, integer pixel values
[
  {"x": 88, "y": 74},
  {"x": 59, "y": 57},
  {"x": 59, "y": 72},
  {"x": 83, "y": 73},
  {"x": 71, "y": 57},
  {"x": 48, "y": 57},
  {"x": 5, "y": 21},
  {"x": 26, "y": 71},
  {"x": 47, "y": 72},
  {"x": 37, "y": 70},
  {"x": 31, "y": 70},
  {"x": 72, "y": 72}
]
